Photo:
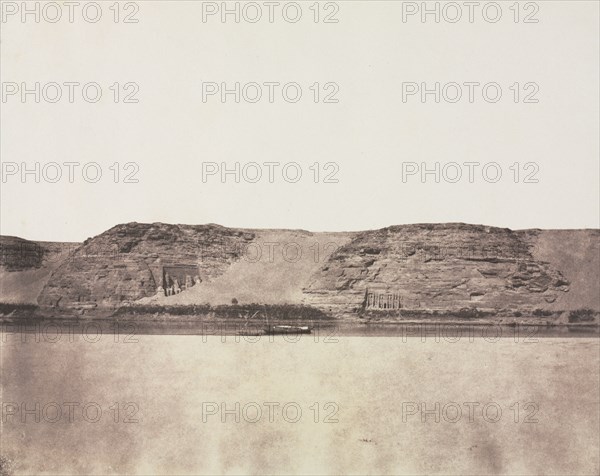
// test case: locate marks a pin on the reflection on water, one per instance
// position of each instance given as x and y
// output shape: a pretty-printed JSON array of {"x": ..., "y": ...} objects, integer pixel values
[{"x": 348, "y": 404}]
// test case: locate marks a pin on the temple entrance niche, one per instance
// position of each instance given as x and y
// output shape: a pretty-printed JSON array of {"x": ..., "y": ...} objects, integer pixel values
[
  {"x": 382, "y": 300},
  {"x": 179, "y": 277}
]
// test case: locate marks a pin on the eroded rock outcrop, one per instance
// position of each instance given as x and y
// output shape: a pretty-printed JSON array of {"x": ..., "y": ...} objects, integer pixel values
[
  {"x": 18, "y": 254},
  {"x": 126, "y": 263},
  {"x": 25, "y": 267},
  {"x": 437, "y": 267}
]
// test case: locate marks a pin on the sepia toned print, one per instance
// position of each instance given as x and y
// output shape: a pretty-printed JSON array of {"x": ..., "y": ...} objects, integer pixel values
[{"x": 300, "y": 237}]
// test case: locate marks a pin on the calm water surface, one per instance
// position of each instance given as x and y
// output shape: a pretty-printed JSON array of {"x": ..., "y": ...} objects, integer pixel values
[{"x": 197, "y": 404}]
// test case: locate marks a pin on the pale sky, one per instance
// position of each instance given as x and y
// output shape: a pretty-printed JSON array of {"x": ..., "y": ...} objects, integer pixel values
[{"x": 368, "y": 135}]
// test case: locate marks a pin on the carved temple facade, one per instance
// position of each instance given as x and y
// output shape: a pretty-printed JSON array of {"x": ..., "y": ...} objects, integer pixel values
[
  {"x": 378, "y": 299},
  {"x": 178, "y": 277}
]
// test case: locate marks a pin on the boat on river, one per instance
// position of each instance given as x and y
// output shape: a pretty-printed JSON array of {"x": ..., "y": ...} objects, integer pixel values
[{"x": 273, "y": 330}]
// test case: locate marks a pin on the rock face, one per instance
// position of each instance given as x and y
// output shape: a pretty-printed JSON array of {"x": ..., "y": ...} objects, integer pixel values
[
  {"x": 437, "y": 267},
  {"x": 25, "y": 267},
  {"x": 126, "y": 262},
  {"x": 17, "y": 254},
  {"x": 444, "y": 267}
]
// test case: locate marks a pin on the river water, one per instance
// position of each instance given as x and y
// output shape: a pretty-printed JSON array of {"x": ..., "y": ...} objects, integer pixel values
[{"x": 340, "y": 404}]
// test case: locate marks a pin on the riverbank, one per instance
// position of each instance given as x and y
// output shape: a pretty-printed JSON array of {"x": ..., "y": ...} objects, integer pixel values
[
  {"x": 252, "y": 320},
  {"x": 54, "y": 329}
]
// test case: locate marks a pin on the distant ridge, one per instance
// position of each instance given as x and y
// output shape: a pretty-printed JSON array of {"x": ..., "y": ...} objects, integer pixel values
[{"x": 432, "y": 266}]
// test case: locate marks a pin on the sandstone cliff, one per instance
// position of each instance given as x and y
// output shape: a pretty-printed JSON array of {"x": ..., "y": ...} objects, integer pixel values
[
  {"x": 125, "y": 263},
  {"x": 25, "y": 267},
  {"x": 445, "y": 267},
  {"x": 450, "y": 267}
]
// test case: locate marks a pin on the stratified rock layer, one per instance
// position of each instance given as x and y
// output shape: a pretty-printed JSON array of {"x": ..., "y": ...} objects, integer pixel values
[
  {"x": 25, "y": 267},
  {"x": 445, "y": 267},
  {"x": 439, "y": 267},
  {"x": 125, "y": 263}
]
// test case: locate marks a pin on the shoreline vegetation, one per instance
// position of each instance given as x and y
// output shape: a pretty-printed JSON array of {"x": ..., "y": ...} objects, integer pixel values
[{"x": 238, "y": 316}]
